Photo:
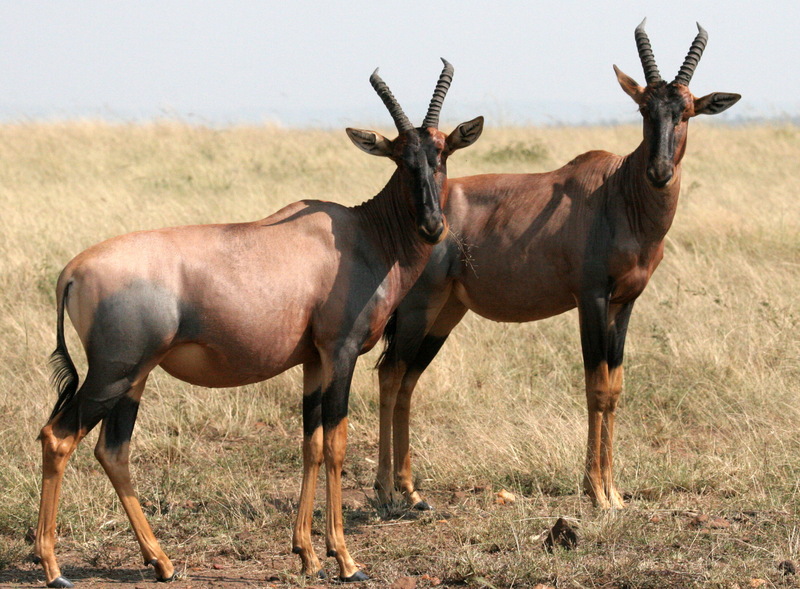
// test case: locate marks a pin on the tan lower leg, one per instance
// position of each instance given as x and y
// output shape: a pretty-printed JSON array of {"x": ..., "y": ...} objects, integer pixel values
[
  {"x": 592, "y": 479},
  {"x": 403, "y": 479},
  {"x": 390, "y": 377},
  {"x": 57, "y": 447},
  {"x": 301, "y": 538},
  {"x": 607, "y": 439},
  {"x": 597, "y": 398},
  {"x": 312, "y": 459},
  {"x": 335, "y": 445},
  {"x": 115, "y": 463}
]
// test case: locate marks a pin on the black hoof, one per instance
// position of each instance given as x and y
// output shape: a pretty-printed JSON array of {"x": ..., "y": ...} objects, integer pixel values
[
  {"x": 422, "y": 506},
  {"x": 355, "y": 577},
  {"x": 153, "y": 564},
  {"x": 60, "y": 582},
  {"x": 320, "y": 574}
]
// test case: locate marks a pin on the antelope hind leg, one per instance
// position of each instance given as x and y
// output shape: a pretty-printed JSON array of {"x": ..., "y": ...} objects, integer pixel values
[
  {"x": 58, "y": 444},
  {"x": 113, "y": 451}
]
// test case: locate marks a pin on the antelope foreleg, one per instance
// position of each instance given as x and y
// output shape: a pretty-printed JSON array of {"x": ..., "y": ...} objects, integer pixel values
[
  {"x": 618, "y": 329},
  {"x": 390, "y": 375},
  {"x": 596, "y": 402},
  {"x": 607, "y": 439},
  {"x": 598, "y": 342},
  {"x": 339, "y": 368},
  {"x": 312, "y": 459},
  {"x": 601, "y": 401},
  {"x": 57, "y": 446},
  {"x": 603, "y": 331},
  {"x": 301, "y": 538},
  {"x": 335, "y": 445}
]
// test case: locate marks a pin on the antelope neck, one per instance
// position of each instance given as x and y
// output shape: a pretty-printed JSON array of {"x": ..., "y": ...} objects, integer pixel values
[
  {"x": 649, "y": 210},
  {"x": 388, "y": 219}
]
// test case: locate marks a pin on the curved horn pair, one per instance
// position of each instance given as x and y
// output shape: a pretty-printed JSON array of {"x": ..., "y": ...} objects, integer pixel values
[
  {"x": 649, "y": 62},
  {"x": 400, "y": 119}
]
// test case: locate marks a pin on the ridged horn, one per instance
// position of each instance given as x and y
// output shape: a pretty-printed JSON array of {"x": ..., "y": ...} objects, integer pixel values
[
  {"x": 651, "y": 74},
  {"x": 398, "y": 116},
  {"x": 442, "y": 86},
  {"x": 695, "y": 53}
]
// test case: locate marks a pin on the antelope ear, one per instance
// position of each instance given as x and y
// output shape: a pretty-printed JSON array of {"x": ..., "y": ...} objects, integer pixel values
[
  {"x": 465, "y": 134},
  {"x": 629, "y": 85},
  {"x": 370, "y": 141},
  {"x": 714, "y": 103}
]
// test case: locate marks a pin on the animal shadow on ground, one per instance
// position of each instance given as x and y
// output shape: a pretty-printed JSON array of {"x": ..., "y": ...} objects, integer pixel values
[{"x": 14, "y": 577}]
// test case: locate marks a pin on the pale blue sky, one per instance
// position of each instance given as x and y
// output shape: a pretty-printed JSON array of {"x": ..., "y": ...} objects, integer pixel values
[{"x": 308, "y": 62}]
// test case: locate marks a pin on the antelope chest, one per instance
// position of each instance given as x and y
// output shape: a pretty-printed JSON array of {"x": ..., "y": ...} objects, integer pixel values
[
  {"x": 630, "y": 285},
  {"x": 631, "y": 270}
]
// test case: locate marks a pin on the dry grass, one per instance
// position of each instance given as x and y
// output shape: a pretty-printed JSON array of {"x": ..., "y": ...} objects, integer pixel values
[{"x": 708, "y": 423}]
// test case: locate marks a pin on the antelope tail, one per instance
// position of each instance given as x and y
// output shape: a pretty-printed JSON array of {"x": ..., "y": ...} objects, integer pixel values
[
  {"x": 390, "y": 346},
  {"x": 64, "y": 377}
]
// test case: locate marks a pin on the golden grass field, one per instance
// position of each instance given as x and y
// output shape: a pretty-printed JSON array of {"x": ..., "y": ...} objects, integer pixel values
[{"x": 709, "y": 423}]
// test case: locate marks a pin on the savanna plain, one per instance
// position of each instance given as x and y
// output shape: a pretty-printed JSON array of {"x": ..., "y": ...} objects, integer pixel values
[{"x": 708, "y": 431}]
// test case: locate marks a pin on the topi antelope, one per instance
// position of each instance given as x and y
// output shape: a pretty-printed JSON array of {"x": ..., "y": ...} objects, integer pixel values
[
  {"x": 227, "y": 305},
  {"x": 588, "y": 235}
]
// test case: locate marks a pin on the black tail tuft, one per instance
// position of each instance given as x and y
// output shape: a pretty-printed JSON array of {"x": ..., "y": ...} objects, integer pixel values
[
  {"x": 388, "y": 338},
  {"x": 64, "y": 377}
]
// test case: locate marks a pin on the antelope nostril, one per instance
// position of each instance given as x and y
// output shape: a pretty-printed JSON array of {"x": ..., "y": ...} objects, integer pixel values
[
  {"x": 659, "y": 176},
  {"x": 431, "y": 232}
]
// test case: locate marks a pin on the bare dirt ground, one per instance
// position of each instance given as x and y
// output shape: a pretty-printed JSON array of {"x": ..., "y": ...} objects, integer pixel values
[
  {"x": 470, "y": 532},
  {"x": 366, "y": 525}
]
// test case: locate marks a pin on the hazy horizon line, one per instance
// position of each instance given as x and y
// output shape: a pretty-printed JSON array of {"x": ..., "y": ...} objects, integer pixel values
[{"x": 531, "y": 114}]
